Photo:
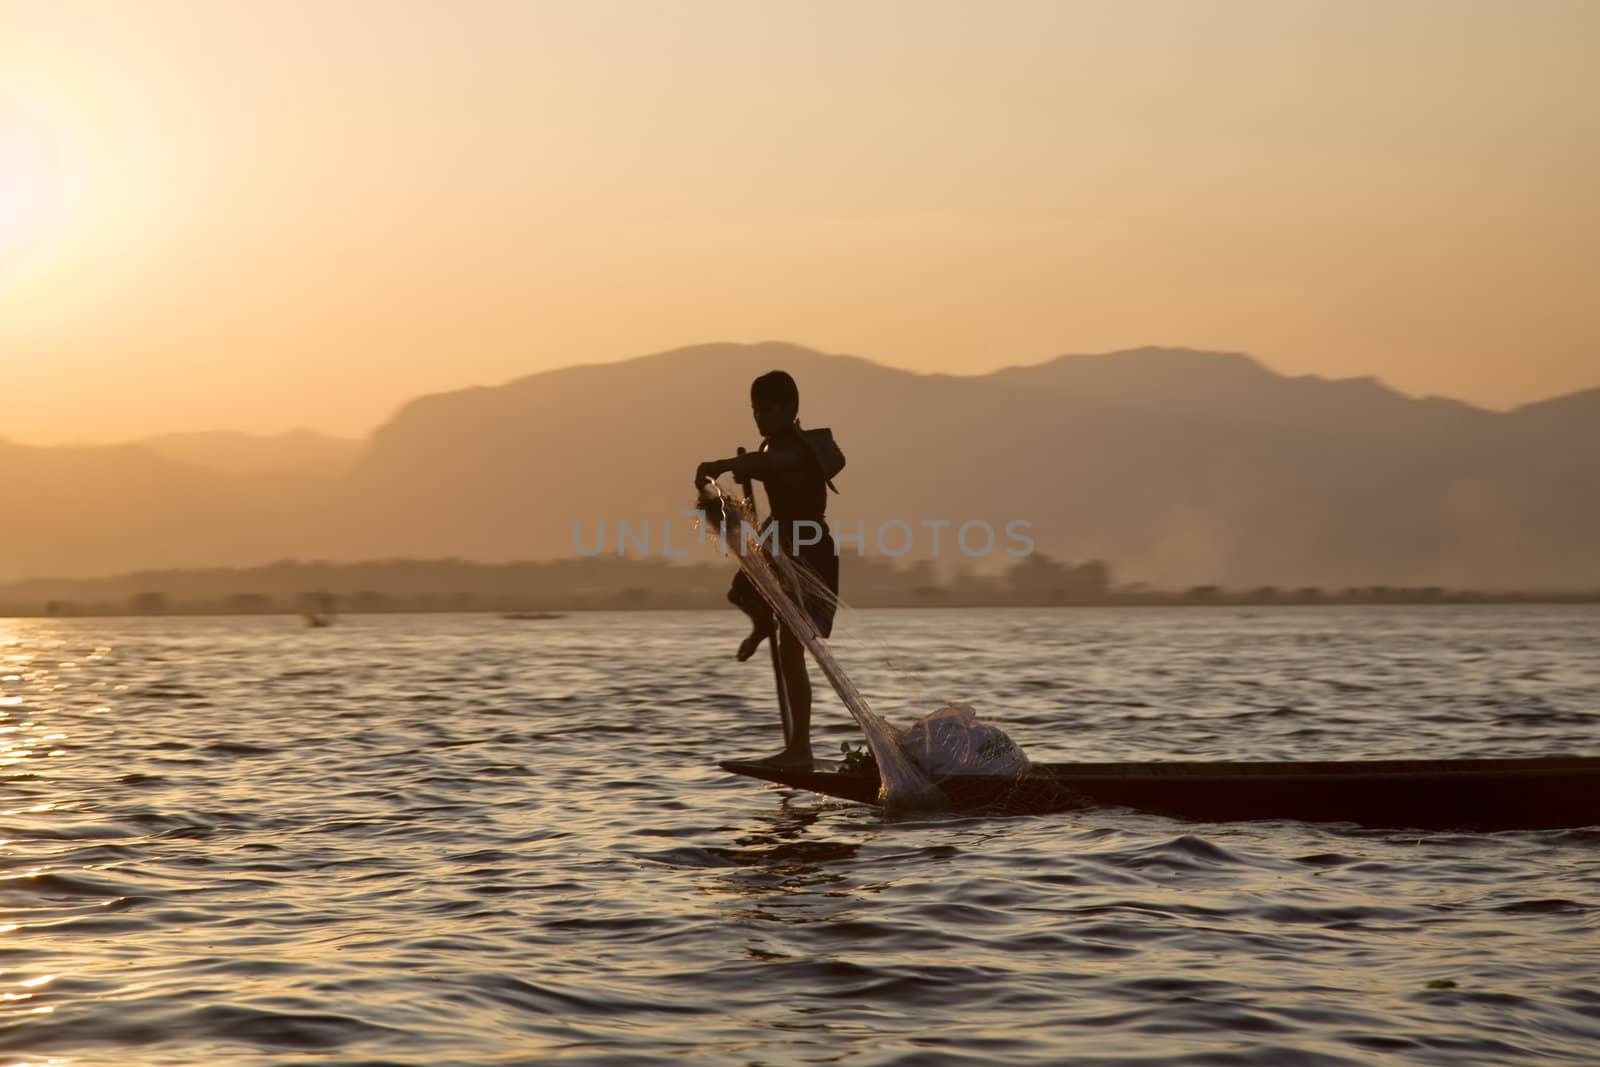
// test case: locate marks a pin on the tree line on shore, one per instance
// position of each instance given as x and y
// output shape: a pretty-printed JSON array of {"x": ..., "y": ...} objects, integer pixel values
[{"x": 454, "y": 585}]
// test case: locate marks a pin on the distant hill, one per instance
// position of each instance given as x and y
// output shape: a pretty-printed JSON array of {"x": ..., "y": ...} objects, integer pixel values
[
  {"x": 1178, "y": 466},
  {"x": 228, "y": 452},
  {"x": 87, "y": 510}
]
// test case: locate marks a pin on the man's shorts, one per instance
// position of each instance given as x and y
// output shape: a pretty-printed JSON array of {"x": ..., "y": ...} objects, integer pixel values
[{"x": 821, "y": 560}]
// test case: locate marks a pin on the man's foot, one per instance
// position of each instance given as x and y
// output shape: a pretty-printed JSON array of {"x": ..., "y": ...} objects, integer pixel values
[
  {"x": 748, "y": 646},
  {"x": 787, "y": 758}
]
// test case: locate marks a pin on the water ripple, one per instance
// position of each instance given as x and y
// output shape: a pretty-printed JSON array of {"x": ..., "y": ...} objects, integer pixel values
[{"x": 416, "y": 840}]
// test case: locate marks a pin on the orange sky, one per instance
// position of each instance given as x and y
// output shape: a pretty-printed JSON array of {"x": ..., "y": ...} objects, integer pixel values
[{"x": 267, "y": 215}]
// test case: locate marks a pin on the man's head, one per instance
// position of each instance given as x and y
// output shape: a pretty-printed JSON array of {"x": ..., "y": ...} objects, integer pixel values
[{"x": 775, "y": 402}]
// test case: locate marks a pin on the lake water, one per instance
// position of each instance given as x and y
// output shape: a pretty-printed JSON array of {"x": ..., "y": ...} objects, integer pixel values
[{"x": 466, "y": 840}]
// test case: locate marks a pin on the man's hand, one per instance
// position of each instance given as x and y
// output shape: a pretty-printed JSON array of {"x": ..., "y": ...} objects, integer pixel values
[{"x": 707, "y": 472}]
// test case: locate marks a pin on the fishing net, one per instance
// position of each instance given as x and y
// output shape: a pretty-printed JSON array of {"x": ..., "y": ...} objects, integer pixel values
[
  {"x": 950, "y": 741},
  {"x": 953, "y": 741}
]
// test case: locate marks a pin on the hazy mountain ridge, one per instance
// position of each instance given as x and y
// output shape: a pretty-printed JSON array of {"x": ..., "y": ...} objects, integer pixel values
[
  {"x": 230, "y": 452},
  {"x": 1177, "y": 466},
  {"x": 85, "y": 509}
]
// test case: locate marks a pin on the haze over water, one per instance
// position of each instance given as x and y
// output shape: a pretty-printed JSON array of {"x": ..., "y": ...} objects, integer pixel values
[{"x": 459, "y": 839}]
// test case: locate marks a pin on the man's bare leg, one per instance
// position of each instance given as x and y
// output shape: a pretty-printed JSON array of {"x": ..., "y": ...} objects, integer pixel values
[
  {"x": 793, "y": 677},
  {"x": 758, "y": 634}
]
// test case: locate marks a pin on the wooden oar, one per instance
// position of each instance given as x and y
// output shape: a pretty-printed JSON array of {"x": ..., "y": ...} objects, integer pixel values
[{"x": 784, "y": 711}]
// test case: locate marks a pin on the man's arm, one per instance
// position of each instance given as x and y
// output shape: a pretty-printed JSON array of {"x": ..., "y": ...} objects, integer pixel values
[{"x": 757, "y": 465}]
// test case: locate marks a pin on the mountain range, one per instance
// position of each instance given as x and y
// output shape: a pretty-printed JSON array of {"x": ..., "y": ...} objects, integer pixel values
[
  {"x": 230, "y": 452},
  {"x": 1176, "y": 466}
]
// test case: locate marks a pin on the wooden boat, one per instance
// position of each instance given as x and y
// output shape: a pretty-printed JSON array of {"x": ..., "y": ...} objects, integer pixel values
[{"x": 1486, "y": 794}]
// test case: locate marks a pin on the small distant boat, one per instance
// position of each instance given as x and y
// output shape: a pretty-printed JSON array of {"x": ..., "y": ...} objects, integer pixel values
[
  {"x": 319, "y": 608},
  {"x": 1487, "y": 794},
  {"x": 532, "y": 616}
]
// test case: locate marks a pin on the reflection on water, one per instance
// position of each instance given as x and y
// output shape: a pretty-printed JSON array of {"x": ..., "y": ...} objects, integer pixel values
[{"x": 412, "y": 840}]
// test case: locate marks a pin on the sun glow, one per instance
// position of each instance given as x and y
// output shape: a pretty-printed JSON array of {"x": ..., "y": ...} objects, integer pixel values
[
  {"x": 33, "y": 186},
  {"x": 85, "y": 203}
]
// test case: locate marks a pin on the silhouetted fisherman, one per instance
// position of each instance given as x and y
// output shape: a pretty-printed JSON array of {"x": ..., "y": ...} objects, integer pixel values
[{"x": 796, "y": 466}]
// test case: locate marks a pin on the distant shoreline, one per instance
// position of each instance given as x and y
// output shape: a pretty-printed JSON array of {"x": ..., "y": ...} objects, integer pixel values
[
  {"x": 547, "y": 611},
  {"x": 324, "y": 590}
]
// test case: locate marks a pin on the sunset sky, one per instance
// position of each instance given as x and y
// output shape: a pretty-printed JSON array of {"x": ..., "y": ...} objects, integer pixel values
[{"x": 261, "y": 216}]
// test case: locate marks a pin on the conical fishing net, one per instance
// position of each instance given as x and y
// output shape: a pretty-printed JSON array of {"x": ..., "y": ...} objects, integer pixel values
[{"x": 948, "y": 742}]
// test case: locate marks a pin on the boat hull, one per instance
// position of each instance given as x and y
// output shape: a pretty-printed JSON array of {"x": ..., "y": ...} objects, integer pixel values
[{"x": 1502, "y": 794}]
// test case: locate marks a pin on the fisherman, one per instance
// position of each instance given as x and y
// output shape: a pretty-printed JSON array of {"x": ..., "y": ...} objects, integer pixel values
[{"x": 796, "y": 466}]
